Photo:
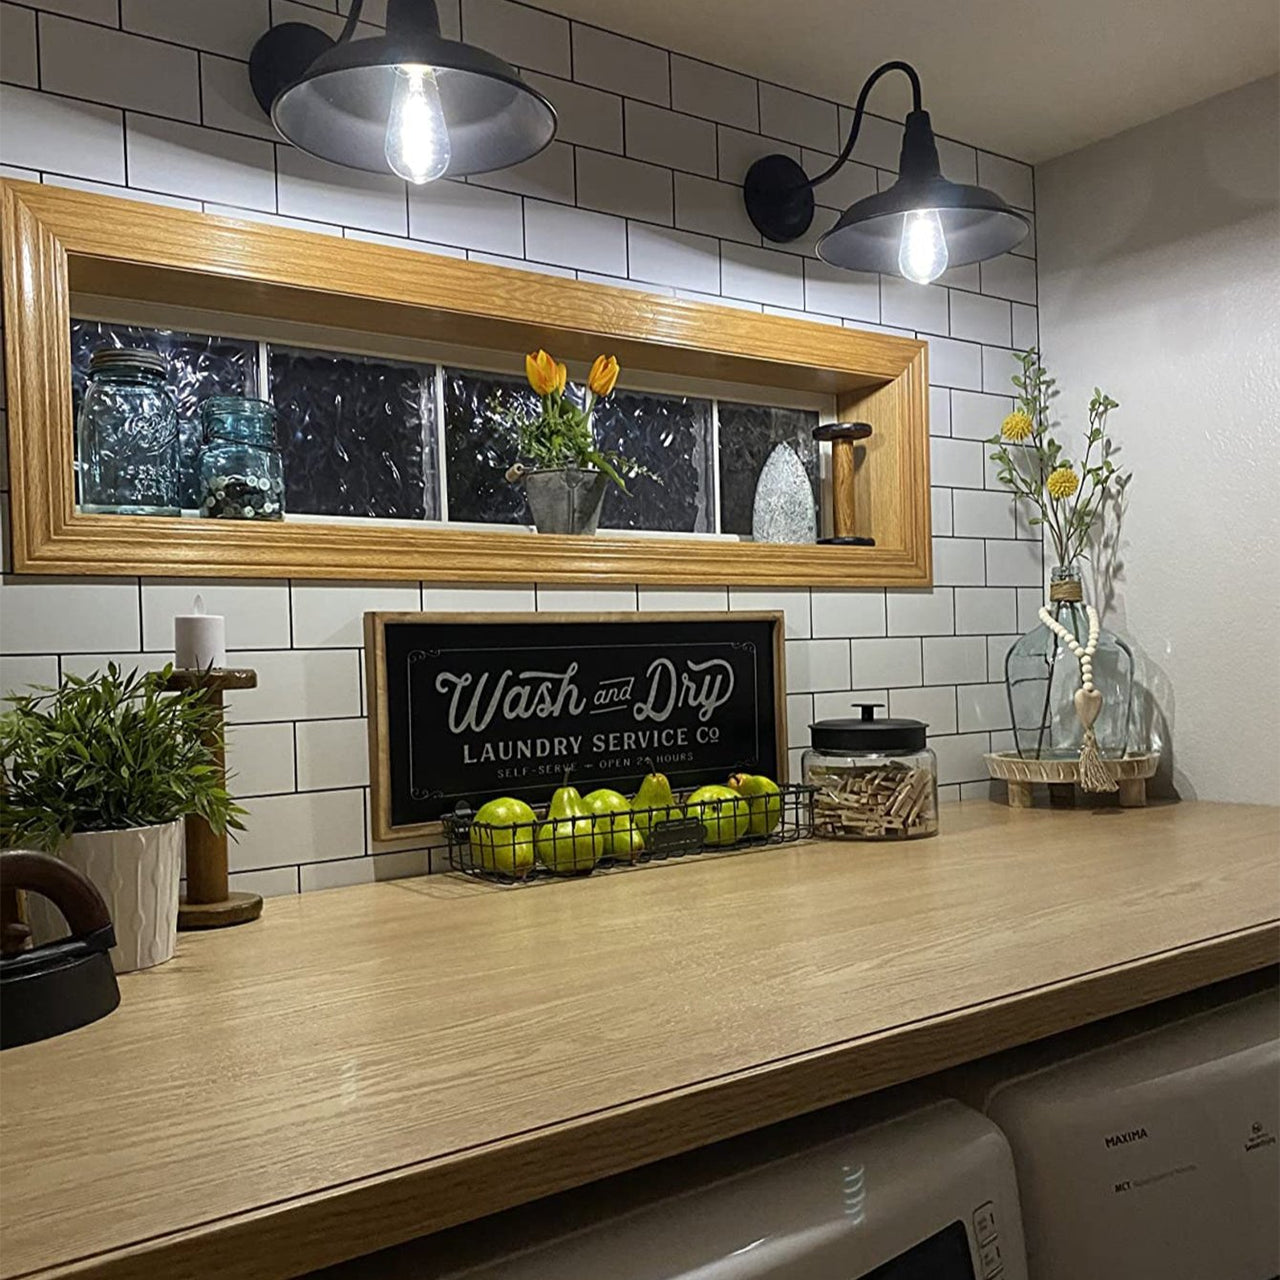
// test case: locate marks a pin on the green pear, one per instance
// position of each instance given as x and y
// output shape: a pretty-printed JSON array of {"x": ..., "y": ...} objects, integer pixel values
[
  {"x": 614, "y": 821},
  {"x": 502, "y": 836},
  {"x": 654, "y": 802},
  {"x": 763, "y": 800},
  {"x": 724, "y": 814},
  {"x": 568, "y": 842}
]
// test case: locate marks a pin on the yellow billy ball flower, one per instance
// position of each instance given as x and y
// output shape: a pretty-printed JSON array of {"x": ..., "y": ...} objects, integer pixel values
[
  {"x": 604, "y": 373},
  {"x": 1017, "y": 426},
  {"x": 543, "y": 373},
  {"x": 1062, "y": 482}
]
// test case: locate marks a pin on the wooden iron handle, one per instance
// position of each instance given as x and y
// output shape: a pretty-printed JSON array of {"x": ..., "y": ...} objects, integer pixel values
[{"x": 73, "y": 893}]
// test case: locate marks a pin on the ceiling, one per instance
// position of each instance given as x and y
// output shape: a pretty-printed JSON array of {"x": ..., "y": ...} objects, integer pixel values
[{"x": 1028, "y": 78}]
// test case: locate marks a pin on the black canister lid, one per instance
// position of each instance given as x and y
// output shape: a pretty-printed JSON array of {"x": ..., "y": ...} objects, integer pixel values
[
  {"x": 865, "y": 733},
  {"x": 127, "y": 358}
]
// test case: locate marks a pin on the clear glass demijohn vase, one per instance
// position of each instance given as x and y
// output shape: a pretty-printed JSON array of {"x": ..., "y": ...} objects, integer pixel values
[{"x": 1042, "y": 676}]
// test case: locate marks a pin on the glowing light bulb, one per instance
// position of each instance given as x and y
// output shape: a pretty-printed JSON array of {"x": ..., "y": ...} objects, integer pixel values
[
  {"x": 922, "y": 256},
  {"x": 417, "y": 145}
]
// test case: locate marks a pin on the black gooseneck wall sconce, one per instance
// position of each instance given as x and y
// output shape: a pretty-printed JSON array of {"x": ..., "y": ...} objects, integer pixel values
[
  {"x": 917, "y": 228},
  {"x": 410, "y": 101}
]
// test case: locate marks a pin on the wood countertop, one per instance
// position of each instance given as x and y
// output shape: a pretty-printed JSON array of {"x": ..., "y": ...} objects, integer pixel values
[{"x": 370, "y": 1064}]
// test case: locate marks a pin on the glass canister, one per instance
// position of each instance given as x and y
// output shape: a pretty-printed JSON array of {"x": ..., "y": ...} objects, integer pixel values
[
  {"x": 875, "y": 779},
  {"x": 127, "y": 436},
  {"x": 241, "y": 474}
]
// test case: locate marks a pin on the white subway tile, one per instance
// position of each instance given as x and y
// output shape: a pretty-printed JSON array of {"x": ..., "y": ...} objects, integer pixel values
[
  {"x": 939, "y": 411},
  {"x": 959, "y": 162},
  {"x": 332, "y": 753},
  {"x": 980, "y": 319},
  {"x": 703, "y": 89},
  {"x": 792, "y": 602},
  {"x": 965, "y": 277},
  {"x": 982, "y": 706},
  {"x": 42, "y": 131},
  {"x": 298, "y": 684},
  {"x": 311, "y": 188},
  {"x": 443, "y": 597},
  {"x": 761, "y": 275},
  {"x": 848, "y": 613},
  {"x": 522, "y": 264},
  {"x": 274, "y": 220},
  {"x": 1008, "y": 178},
  {"x": 908, "y": 305},
  {"x": 999, "y": 366},
  {"x": 799, "y": 718},
  {"x": 1014, "y": 564},
  {"x": 985, "y": 610},
  {"x": 89, "y": 664},
  {"x": 669, "y": 138},
  {"x": 546, "y": 176},
  {"x": 955, "y": 364},
  {"x": 1029, "y": 601},
  {"x": 331, "y": 22},
  {"x": 738, "y": 151},
  {"x": 275, "y": 882},
  {"x": 19, "y": 674},
  {"x": 585, "y": 117},
  {"x": 227, "y": 101},
  {"x": 316, "y": 825},
  {"x": 330, "y": 615},
  {"x": 367, "y": 870},
  {"x": 231, "y": 27},
  {"x": 958, "y": 562},
  {"x": 956, "y": 463},
  {"x": 798, "y": 117},
  {"x": 891, "y": 662},
  {"x": 69, "y": 615},
  {"x": 975, "y": 415},
  {"x": 1026, "y": 327},
  {"x": 524, "y": 36},
  {"x": 1010, "y": 276},
  {"x": 257, "y": 613},
  {"x": 940, "y": 509},
  {"x": 677, "y": 258},
  {"x": 982, "y": 514},
  {"x": 201, "y": 163},
  {"x": 855, "y": 295},
  {"x": 18, "y": 46},
  {"x": 678, "y": 599},
  {"x": 845, "y": 704},
  {"x": 879, "y": 140},
  {"x": 960, "y": 757},
  {"x": 624, "y": 66},
  {"x": 1027, "y": 247},
  {"x": 587, "y": 599},
  {"x": 921, "y": 613},
  {"x": 849, "y": 184},
  {"x": 414, "y": 246},
  {"x": 575, "y": 238},
  {"x": 997, "y": 650},
  {"x": 712, "y": 208},
  {"x": 473, "y": 217},
  {"x": 950, "y": 794},
  {"x": 636, "y": 286},
  {"x": 260, "y": 760},
  {"x": 935, "y": 706},
  {"x": 955, "y": 659},
  {"x": 118, "y": 69},
  {"x": 630, "y": 188},
  {"x": 817, "y": 665},
  {"x": 104, "y": 12},
  {"x": 126, "y": 193}
]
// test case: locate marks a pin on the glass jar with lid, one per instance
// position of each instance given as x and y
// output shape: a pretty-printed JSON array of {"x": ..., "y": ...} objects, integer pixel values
[
  {"x": 874, "y": 779},
  {"x": 241, "y": 473},
  {"x": 127, "y": 436}
]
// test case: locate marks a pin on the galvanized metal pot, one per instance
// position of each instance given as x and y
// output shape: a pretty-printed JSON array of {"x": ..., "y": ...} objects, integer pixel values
[{"x": 566, "y": 500}]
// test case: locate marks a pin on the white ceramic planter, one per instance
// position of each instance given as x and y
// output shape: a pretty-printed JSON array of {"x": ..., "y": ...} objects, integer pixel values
[{"x": 137, "y": 871}]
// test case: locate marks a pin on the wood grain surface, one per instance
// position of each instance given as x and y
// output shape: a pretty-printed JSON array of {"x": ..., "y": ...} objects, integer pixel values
[{"x": 371, "y": 1064}]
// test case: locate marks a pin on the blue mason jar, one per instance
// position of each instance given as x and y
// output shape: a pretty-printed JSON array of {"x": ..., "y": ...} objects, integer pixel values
[
  {"x": 241, "y": 474},
  {"x": 127, "y": 436}
]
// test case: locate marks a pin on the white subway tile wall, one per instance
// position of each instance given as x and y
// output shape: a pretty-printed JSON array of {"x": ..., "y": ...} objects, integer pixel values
[{"x": 640, "y": 188}]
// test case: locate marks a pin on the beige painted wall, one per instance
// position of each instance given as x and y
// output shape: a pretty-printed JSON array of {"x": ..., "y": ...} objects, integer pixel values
[{"x": 1160, "y": 281}]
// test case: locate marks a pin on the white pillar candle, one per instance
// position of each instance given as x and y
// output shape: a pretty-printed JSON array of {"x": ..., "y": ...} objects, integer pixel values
[{"x": 199, "y": 639}]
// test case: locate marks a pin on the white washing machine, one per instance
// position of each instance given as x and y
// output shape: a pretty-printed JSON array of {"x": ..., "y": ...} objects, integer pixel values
[{"x": 1153, "y": 1156}]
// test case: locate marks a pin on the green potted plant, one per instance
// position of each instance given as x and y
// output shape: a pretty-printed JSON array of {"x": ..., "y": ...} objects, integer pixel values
[
  {"x": 101, "y": 772},
  {"x": 564, "y": 472}
]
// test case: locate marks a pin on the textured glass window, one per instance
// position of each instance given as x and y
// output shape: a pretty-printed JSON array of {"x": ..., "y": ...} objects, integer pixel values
[
  {"x": 199, "y": 366},
  {"x": 748, "y": 435},
  {"x": 479, "y": 447},
  {"x": 357, "y": 434}
]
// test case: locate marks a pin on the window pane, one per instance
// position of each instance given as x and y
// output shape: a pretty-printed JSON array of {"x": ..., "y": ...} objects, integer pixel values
[
  {"x": 748, "y": 435},
  {"x": 479, "y": 447},
  {"x": 199, "y": 366},
  {"x": 357, "y": 434}
]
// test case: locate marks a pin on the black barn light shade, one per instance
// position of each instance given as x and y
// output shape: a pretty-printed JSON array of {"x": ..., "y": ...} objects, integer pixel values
[
  {"x": 409, "y": 102},
  {"x": 918, "y": 228}
]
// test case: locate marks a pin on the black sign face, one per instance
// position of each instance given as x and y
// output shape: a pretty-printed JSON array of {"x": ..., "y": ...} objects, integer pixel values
[{"x": 469, "y": 710}]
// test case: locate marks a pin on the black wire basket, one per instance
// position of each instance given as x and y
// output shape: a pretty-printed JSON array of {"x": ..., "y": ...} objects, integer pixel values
[{"x": 545, "y": 849}]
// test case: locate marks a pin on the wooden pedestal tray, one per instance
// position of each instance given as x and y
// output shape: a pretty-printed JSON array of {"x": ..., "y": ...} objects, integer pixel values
[
  {"x": 1130, "y": 773},
  {"x": 208, "y": 902}
]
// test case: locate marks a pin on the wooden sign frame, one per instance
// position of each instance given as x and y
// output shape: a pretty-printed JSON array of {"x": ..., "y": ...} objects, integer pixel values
[
  {"x": 59, "y": 245},
  {"x": 376, "y": 693}
]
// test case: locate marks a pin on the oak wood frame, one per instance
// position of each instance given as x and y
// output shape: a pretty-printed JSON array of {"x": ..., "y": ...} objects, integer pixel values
[
  {"x": 56, "y": 243},
  {"x": 375, "y": 665}
]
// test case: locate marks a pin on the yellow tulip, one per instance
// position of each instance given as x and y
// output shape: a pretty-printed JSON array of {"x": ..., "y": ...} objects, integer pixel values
[
  {"x": 562, "y": 376},
  {"x": 604, "y": 373},
  {"x": 545, "y": 376}
]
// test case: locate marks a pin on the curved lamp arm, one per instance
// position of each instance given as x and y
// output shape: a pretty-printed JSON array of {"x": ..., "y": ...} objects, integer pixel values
[{"x": 847, "y": 150}]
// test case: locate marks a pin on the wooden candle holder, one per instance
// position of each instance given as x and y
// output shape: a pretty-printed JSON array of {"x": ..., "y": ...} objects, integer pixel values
[
  {"x": 843, "y": 436},
  {"x": 208, "y": 902}
]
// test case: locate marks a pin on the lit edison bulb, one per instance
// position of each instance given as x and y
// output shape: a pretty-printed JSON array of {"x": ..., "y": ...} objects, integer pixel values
[
  {"x": 922, "y": 255},
  {"x": 417, "y": 138}
]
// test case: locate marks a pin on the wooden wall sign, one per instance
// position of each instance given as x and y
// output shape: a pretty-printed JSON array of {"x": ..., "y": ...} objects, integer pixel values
[{"x": 466, "y": 707}]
